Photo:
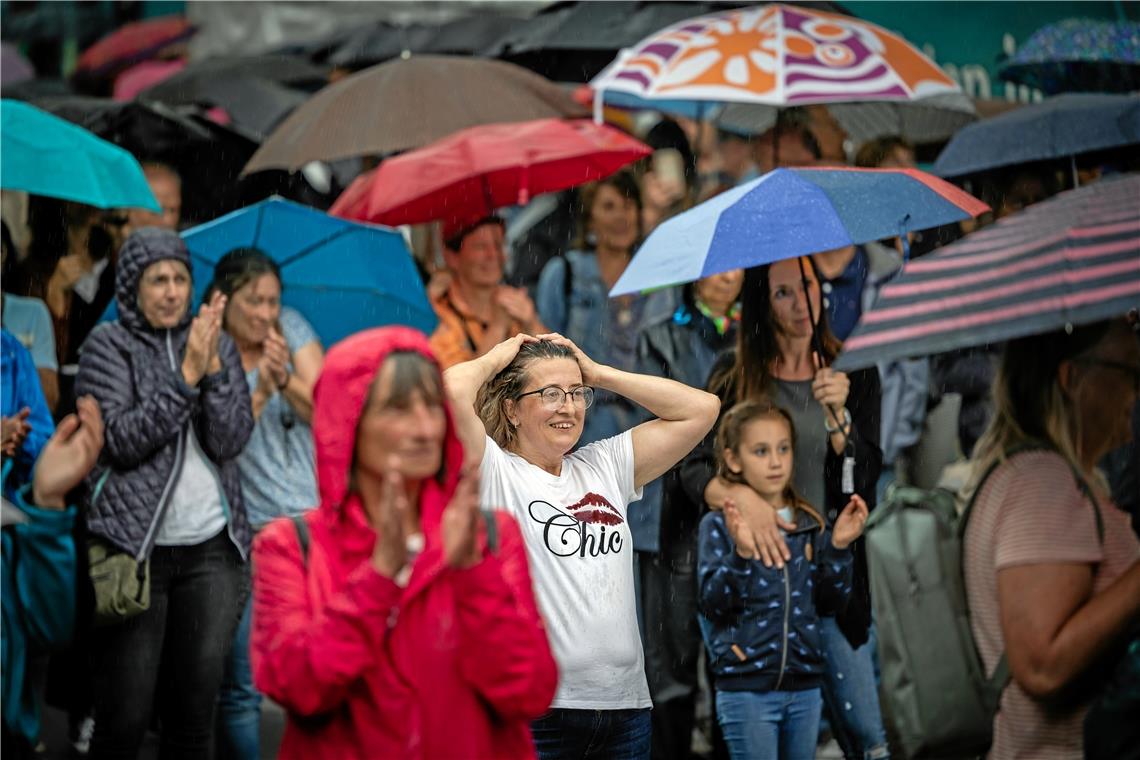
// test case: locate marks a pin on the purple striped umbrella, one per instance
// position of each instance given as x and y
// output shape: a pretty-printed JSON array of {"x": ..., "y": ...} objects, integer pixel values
[{"x": 1073, "y": 259}]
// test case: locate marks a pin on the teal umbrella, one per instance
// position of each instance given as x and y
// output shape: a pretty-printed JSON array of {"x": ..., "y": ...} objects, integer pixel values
[{"x": 46, "y": 155}]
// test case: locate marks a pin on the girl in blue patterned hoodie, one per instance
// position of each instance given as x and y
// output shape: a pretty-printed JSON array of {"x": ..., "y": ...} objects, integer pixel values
[{"x": 761, "y": 625}]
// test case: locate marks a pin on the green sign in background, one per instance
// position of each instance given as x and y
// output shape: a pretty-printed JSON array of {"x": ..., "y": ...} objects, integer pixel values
[{"x": 969, "y": 39}]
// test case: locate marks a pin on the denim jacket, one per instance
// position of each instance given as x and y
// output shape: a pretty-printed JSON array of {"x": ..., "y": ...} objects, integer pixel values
[{"x": 760, "y": 624}]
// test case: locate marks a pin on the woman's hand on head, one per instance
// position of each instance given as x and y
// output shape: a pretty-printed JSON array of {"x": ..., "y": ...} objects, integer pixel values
[
  {"x": 504, "y": 353},
  {"x": 849, "y": 524},
  {"x": 592, "y": 372},
  {"x": 459, "y": 527},
  {"x": 390, "y": 553}
]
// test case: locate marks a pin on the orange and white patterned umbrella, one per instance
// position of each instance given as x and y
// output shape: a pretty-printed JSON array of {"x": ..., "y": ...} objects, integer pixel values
[{"x": 777, "y": 55}]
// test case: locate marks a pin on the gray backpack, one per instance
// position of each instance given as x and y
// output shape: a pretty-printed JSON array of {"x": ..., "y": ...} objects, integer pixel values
[{"x": 934, "y": 687}]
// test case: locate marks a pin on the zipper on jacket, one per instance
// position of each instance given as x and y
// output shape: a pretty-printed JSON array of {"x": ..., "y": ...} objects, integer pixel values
[
  {"x": 787, "y": 614},
  {"x": 174, "y": 473}
]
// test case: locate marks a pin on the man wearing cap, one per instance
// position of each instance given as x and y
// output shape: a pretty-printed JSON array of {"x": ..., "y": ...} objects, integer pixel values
[{"x": 477, "y": 311}]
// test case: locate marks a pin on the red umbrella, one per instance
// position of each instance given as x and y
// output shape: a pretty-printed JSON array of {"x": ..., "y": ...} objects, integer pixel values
[
  {"x": 135, "y": 42},
  {"x": 471, "y": 173}
]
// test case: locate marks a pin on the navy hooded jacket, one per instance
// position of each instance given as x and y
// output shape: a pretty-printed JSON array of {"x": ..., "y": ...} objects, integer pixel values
[{"x": 761, "y": 624}]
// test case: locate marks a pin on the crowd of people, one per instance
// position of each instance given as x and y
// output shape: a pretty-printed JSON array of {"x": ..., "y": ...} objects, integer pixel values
[{"x": 527, "y": 533}]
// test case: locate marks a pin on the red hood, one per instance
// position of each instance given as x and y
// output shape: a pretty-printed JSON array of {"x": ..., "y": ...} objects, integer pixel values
[{"x": 338, "y": 401}]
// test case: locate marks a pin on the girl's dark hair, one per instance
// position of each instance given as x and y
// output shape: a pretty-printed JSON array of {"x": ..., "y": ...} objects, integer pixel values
[
  {"x": 508, "y": 384},
  {"x": 757, "y": 351},
  {"x": 625, "y": 183},
  {"x": 238, "y": 268},
  {"x": 731, "y": 430},
  {"x": 47, "y": 222}
]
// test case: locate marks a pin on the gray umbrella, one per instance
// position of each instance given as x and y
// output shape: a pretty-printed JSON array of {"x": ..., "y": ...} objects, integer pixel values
[
  {"x": 408, "y": 103},
  {"x": 1059, "y": 127},
  {"x": 931, "y": 119},
  {"x": 383, "y": 41}
]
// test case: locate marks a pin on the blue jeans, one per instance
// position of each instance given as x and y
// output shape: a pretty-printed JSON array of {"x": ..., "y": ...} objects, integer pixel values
[
  {"x": 239, "y": 703},
  {"x": 850, "y": 694},
  {"x": 769, "y": 725},
  {"x": 564, "y": 734}
]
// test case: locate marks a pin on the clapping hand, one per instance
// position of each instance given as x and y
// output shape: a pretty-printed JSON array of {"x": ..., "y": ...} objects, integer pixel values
[
  {"x": 14, "y": 430},
  {"x": 459, "y": 527},
  {"x": 68, "y": 455},
  {"x": 387, "y": 517},
  {"x": 849, "y": 524},
  {"x": 273, "y": 366},
  {"x": 518, "y": 306},
  {"x": 202, "y": 345}
]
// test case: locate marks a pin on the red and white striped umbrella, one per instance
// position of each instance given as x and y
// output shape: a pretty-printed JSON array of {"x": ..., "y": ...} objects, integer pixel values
[{"x": 1073, "y": 259}]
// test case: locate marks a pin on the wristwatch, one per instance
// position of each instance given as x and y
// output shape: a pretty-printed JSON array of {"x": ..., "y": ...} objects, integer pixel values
[{"x": 846, "y": 422}]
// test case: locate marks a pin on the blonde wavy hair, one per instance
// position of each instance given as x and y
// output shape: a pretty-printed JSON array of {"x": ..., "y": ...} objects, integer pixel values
[
  {"x": 507, "y": 385},
  {"x": 1030, "y": 408}
]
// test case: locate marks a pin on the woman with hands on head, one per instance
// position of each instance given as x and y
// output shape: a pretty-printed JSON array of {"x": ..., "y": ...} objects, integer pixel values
[
  {"x": 836, "y": 417},
  {"x": 395, "y": 619},
  {"x": 176, "y": 414},
  {"x": 520, "y": 411},
  {"x": 282, "y": 357}
]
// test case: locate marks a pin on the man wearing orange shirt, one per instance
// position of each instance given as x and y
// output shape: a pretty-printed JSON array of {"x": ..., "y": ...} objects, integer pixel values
[{"x": 477, "y": 310}]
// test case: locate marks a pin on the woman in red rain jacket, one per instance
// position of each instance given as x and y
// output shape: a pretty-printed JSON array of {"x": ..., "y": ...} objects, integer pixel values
[{"x": 399, "y": 632}]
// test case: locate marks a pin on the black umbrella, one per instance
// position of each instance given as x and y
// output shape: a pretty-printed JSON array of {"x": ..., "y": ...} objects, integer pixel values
[
  {"x": 383, "y": 41},
  {"x": 198, "y": 81},
  {"x": 574, "y": 41},
  {"x": 206, "y": 156}
]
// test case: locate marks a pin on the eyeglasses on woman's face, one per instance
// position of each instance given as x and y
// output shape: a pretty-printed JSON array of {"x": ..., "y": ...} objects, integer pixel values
[{"x": 553, "y": 397}]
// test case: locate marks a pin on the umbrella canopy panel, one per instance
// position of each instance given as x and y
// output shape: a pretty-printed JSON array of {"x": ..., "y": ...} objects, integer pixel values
[
  {"x": 777, "y": 55},
  {"x": 134, "y": 42},
  {"x": 1070, "y": 260},
  {"x": 342, "y": 276},
  {"x": 788, "y": 213},
  {"x": 405, "y": 104},
  {"x": 1066, "y": 125},
  {"x": 45, "y": 155}
]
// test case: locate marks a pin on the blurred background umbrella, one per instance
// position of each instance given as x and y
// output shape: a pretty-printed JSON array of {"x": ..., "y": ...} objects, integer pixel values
[
  {"x": 405, "y": 104},
  {"x": 132, "y": 43},
  {"x": 1070, "y": 260},
  {"x": 382, "y": 41},
  {"x": 1059, "y": 127},
  {"x": 342, "y": 276},
  {"x": 788, "y": 213},
  {"x": 207, "y": 157},
  {"x": 144, "y": 75},
  {"x": 14, "y": 67},
  {"x": 1079, "y": 55},
  {"x": 197, "y": 81},
  {"x": 45, "y": 155},
  {"x": 465, "y": 177}
]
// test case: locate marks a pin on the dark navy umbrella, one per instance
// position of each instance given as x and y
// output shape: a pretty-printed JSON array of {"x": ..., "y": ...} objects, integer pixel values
[
  {"x": 1070, "y": 260},
  {"x": 1079, "y": 55},
  {"x": 1059, "y": 127}
]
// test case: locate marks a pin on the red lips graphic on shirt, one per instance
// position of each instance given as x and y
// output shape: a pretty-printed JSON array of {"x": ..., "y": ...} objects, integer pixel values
[{"x": 593, "y": 508}]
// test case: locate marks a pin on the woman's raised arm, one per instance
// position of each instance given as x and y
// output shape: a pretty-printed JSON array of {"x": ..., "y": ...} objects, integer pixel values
[{"x": 462, "y": 383}]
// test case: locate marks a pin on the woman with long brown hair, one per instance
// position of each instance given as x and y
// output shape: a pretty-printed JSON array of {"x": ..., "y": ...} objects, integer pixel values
[{"x": 783, "y": 355}]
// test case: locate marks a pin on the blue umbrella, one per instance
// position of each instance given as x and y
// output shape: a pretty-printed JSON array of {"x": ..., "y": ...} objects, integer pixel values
[
  {"x": 1079, "y": 55},
  {"x": 342, "y": 276},
  {"x": 46, "y": 155},
  {"x": 1059, "y": 127},
  {"x": 792, "y": 212}
]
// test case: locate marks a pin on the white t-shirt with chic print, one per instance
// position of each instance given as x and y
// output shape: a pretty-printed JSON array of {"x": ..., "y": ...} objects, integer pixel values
[{"x": 581, "y": 562}]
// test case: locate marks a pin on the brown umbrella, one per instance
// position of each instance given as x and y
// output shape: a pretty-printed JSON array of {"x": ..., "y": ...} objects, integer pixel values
[{"x": 407, "y": 104}]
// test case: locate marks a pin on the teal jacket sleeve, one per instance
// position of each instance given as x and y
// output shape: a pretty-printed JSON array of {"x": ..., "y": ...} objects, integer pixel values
[{"x": 43, "y": 572}]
